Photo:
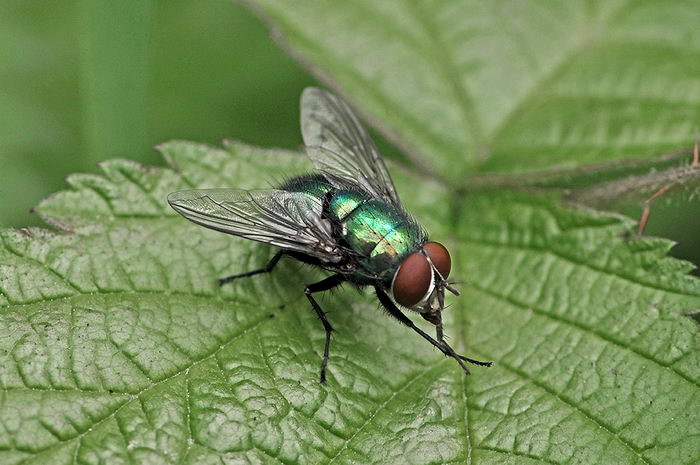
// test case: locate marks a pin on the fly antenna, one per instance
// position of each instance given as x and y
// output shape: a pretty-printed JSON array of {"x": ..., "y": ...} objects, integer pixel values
[{"x": 450, "y": 288}]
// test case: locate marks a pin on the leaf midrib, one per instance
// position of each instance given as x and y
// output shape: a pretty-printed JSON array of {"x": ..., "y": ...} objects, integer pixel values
[
  {"x": 461, "y": 321},
  {"x": 451, "y": 75}
]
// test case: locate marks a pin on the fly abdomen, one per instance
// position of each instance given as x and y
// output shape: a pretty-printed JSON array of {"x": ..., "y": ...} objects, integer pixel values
[{"x": 343, "y": 203}]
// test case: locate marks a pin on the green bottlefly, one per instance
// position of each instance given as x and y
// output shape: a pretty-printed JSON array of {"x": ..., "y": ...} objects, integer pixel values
[{"x": 345, "y": 218}]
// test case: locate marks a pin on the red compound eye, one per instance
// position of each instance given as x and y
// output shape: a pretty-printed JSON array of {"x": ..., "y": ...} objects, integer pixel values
[
  {"x": 439, "y": 256},
  {"x": 412, "y": 280}
]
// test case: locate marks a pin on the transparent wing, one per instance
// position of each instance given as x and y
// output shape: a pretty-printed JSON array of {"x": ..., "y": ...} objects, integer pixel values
[
  {"x": 288, "y": 220},
  {"x": 339, "y": 146}
]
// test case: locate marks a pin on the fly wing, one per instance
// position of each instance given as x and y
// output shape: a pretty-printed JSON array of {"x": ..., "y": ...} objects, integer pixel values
[
  {"x": 340, "y": 147},
  {"x": 288, "y": 220}
]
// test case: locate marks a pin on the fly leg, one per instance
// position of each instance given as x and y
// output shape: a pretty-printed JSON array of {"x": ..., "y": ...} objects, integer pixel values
[
  {"x": 266, "y": 269},
  {"x": 441, "y": 339},
  {"x": 326, "y": 284},
  {"x": 443, "y": 346}
]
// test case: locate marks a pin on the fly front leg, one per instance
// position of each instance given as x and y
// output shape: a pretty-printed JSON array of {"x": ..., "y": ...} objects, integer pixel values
[
  {"x": 439, "y": 333},
  {"x": 266, "y": 269},
  {"x": 441, "y": 339},
  {"x": 326, "y": 284},
  {"x": 443, "y": 346}
]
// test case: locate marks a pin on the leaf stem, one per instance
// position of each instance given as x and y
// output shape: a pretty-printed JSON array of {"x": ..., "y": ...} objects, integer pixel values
[{"x": 115, "y": 39}]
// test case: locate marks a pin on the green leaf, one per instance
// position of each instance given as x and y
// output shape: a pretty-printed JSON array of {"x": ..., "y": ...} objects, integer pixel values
[
  {"x": 118, "y": 346},
  {"x": 518, "y": 86}
]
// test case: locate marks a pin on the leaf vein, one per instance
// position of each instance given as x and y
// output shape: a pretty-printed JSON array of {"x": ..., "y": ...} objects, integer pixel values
[
  {"x": 383, "y": 404},
  {"x": 517, "y": 453},
  {"x": 446, "y": 64},
  {"x": 582, "y": 328},
  {"x": 575, "y": 408},
  {"x": 137, "y": 395},
  {"x": 575, "y": 261}
]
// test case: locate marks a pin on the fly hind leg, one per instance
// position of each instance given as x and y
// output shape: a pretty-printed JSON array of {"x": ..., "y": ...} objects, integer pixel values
[
  {"x": 266, "y": 269},
  {"x": 326, "y": 284}
]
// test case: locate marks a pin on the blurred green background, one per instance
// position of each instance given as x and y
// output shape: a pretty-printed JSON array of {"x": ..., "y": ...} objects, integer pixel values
[
  {"x": 83, "y": 81},
  {"x": 86, "y": 80}
]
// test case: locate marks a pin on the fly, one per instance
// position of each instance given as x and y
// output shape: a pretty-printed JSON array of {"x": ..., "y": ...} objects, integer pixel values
[{"x": 345, "y": 218}]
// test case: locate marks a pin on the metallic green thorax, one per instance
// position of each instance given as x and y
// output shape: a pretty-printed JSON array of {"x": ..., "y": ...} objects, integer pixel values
[{"x": 381, "y": 233}]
